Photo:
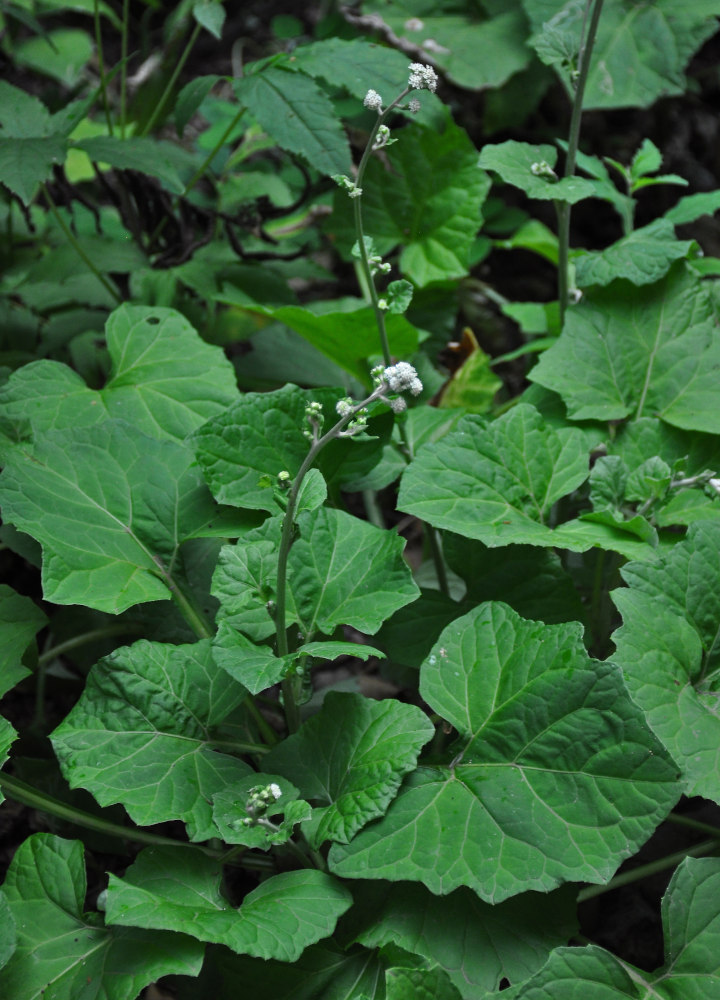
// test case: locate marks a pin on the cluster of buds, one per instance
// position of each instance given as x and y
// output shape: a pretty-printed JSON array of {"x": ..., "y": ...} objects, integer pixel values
[
  {"x": 347, "y": 184},
  {"x": 347, "y": 408},
  {"x": 314, "y": 416},
  {"x": 543, "y": 169},
  {"x": 382, "y": 138},
  {"x": 397, "y": 378},
  {"x": 259, "y": 799}
]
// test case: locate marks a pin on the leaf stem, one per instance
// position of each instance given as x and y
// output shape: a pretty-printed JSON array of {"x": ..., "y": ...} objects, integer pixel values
[
  {"x": 85, "y": 637},
  {"x": 563, "y": 208},
  {"x": 101, "y": 65},
  {"x": 74, "y": 242},
  {"x": 651, "y": 868},
  {"x": 185, "y": 601},
  {"x": 160, "y": 106},
  {"x": 28, "y": 796}
]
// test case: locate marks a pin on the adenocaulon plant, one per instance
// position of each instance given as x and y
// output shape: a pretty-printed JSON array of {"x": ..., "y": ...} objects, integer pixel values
[{"x": 390, "y": 383}]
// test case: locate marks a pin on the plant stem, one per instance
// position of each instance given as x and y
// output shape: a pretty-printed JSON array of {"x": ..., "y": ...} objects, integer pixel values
[
  {"x": 239, "y": 746},
  {"x": 185, "y": 601},
  {"x": 73, "y": 241},
  {"x": 362, "y": 249},
  {"x": 101, "y": 66},
  {"x": 29, "y": 796},
  {"x": 123, "y": 66},
  {"x": 652, "y": 868},
  {"x": 81, "y": 640},
  {"x": 694, "y": 824},
  {"x": 437, "y": 558},
  {"x": 563, "y": 208},
  {"x": 159, "y": 107}
]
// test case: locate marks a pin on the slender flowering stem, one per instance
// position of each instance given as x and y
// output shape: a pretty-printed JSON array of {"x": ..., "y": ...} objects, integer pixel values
[{"x": 563, "y": 208}]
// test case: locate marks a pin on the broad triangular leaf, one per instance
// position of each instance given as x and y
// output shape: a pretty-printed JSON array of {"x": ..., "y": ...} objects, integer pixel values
[
  {"x": 27, "y": 163},
  {"x": 179, "y": 890},
  {"x": 141, "y": 734},
  {"x": 350, "y": 758},
  {"x": 110, "y": 508},
  {"x": 344, "y": 571},
  {"x": 632, "y": 352},
  {"x": 529, "y": 168},
  {"x": 164, "y": 380},
  {"x": 497, "y": 482},
  {"x": 555, "y": 777},
  {"x": 691, "y": 971},
  {"x": 65, "y": 954},
  {"x": 669, "y": 651}
]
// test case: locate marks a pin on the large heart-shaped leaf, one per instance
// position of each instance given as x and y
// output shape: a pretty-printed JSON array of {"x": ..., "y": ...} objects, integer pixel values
[
  {"x": 20, "y": 620},
  {"x": 179, "y": 890},
  {"x": 350, "y": 758},
  {"x": 110, "y": 508},
  {"x": 141, "y": 734},
  {"x": 64, "y": 953},
  {"x": 164, "y": 380},
  {"x": 555, "y": 776}
]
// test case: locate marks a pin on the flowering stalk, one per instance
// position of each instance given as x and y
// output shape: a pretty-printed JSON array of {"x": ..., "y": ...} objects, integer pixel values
[
  {"x": 394, "y": 379},
  {"x": 421, "y": 78}
]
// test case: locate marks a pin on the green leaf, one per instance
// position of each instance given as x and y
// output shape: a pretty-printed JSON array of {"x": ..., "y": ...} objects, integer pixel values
[
  {"x": 425, "y": 195},
  {"x": 691, "y": 969},
  {"x": 633, "y": 352},
  {"x": 312, "y": 493},
  {"x": 262, "y": 435},
  {"x": 179, "y": 889},
  {"x": 496, "y": 482},
  {"x": 150, "y": 156},
  {"x": 354, "y": 64},
  {"x": 61, "y": 54},
  {"x": 7, "y": 737},
  {"x": 110, "y": 508},
  {"x": 640, "y": 51},
  {"x": 351, "y": 757},
  {"x": 22, "y": 116},
  {"x": 344, "y": 571},
  {"x": 347, "y": 338},
  {"x": 643, "y": 257},
  {"x": 237, "y": 825},
  {"x": 669, "y": 651},
  {"x": 475, "y": 51},
  {"x": 65, "y": 954},
  {"x": 476, "y": 944},
  {"x": 514, "y": 162},
  {"x": 164, "y": 380},
  {"x": 26, "y": 163},
  {"x": 555, "y": 777},
  {"x": 323, "y": 972},
  {"x": 8, "y": 934},
  {"x": 473, "y": 386},
  {"x": 297, "y": 115},
  {"x": 419, "y": 984},
  {"x": 244, "y": 582},
  {"x": 255, "y": 667},
  {"x": 191, "y": 97},
  {"x": 693, "y": 207},
  {"x": 20, "y": 620},
  {"x": 141, "y": 734},
  {"x": 210, "y": 15}
]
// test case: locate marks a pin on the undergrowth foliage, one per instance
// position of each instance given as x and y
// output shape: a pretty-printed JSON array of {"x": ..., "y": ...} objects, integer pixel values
[{"x": 209, "y": 464}]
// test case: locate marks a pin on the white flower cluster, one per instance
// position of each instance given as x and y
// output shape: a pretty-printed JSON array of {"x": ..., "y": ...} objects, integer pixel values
[
  {"x": 373, "y": 100},
  {"x": 422, "y": 77},
  {"x": 402, "y": 377}
]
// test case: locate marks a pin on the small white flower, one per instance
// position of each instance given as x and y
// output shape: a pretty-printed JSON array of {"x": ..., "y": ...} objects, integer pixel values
[
  {"x": 398, "y": 405},
  {"x": 344, "y": 407},
  {"x": 715, "y": 483},
  {"x": 275, "y": 791},
  {"x": 402, "y": 377},
  {"x": 414, "y": 105},
  {"x": 422, "y": 77},
  {"x": 356, "y": 192},
  {"x": 382, "y": 304},
  {"x": 373, "y": 100}
]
